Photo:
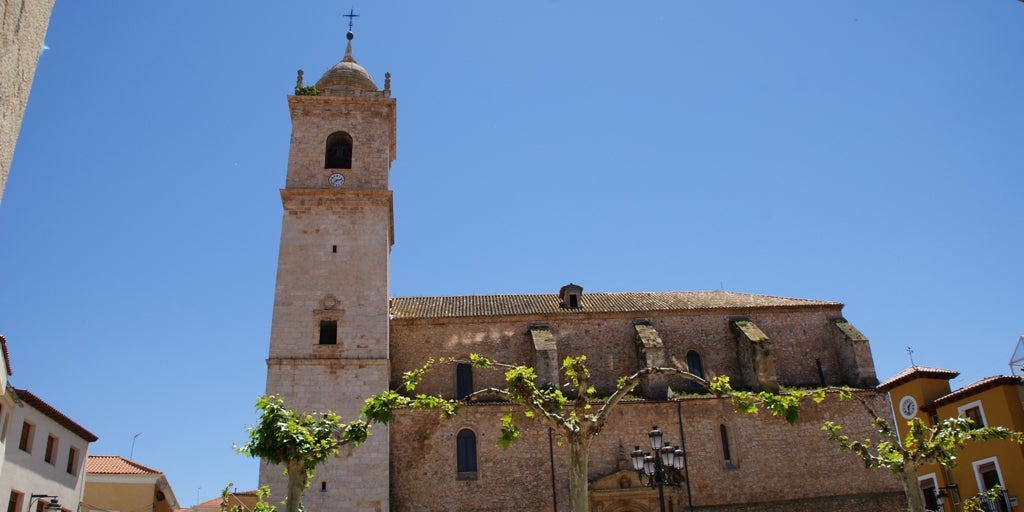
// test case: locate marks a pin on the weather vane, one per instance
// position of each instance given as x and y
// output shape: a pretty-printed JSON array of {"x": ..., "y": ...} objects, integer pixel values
[
  {"x": 910, "y": 352},
  {"x": 351, "y": 16}
]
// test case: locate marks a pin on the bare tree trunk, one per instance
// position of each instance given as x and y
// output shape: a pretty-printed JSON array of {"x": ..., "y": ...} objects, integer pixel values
[
  {"x": 912, "y": 488},
  {"x": 296, "y": 486},
  {"x": 579, "y": 461}
]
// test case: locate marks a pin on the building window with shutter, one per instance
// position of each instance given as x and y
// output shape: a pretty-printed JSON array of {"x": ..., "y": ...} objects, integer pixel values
[
  {"x": 72, "y": 461},
  {"x": 974, "y": 412},
  {"x": 27, "y": 433},
  {"x": 51, "y": 450}
]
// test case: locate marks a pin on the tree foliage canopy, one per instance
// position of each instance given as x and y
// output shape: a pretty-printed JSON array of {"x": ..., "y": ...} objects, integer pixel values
[
  {"x": 299, "y": 441},
  {"x": 284, "y": 436},
  {"x": 923, "y": 444}
]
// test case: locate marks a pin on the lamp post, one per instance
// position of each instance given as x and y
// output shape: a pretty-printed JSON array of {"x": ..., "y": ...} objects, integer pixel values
[
  {"x": 52, "y": 506},
  {"x": 660, "y": 467}
]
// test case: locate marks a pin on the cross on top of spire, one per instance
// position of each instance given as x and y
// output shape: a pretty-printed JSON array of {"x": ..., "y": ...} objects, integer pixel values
[{"x": 351, "y": 16}]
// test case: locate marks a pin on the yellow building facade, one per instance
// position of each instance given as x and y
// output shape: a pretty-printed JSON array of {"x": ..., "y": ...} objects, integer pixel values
[
  {"x": 113, "y": 483},
  {"x": 922, "y": 392}
]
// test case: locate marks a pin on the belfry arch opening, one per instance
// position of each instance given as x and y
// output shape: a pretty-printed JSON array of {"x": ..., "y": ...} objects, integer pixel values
[{"x": 338, "y": 153}]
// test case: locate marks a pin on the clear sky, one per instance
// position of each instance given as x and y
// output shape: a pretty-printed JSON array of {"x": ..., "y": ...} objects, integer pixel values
[{"x": 867, "y": 152}]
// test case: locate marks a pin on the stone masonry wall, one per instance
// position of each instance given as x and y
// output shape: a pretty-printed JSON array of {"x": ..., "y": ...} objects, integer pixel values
[
  {"x": 799, "y": 338},
  {"x": 370, "y": 122},
  {"x": 340, "y": 386},
  {"x": 773, "y": 466},
  {"x": 333, "y": 242},
  {"x": 22, "y": 28}
]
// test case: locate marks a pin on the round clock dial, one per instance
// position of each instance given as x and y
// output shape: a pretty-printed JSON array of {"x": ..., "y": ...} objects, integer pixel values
[
  {"x": 908, "y": 407},
  {"x": 336, "y": 180}
]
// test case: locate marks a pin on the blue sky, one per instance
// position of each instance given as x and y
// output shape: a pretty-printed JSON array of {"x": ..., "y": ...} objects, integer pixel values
[{"x": 865, "y": 152}]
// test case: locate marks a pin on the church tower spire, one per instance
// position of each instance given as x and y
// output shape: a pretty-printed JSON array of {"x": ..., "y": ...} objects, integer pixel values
[{"x": 329, "y": 333}]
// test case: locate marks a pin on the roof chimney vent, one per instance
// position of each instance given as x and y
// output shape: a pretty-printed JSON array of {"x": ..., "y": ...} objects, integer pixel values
[{"x": 570, "y": 296}]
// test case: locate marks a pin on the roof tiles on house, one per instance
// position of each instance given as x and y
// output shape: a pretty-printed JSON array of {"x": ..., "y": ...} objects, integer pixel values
[
  {"x": 546, "y": 304},
  {"x": 116, "y": 465},
  {"x": 977, "y": 387},
  {"x": 25, "y": 396},
  {"x": 7, "y": 357},
  {"x": 917, "y": 372}
]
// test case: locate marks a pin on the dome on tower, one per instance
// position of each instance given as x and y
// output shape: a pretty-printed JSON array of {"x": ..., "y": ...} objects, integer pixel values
[{"x": 347, "y": 74}]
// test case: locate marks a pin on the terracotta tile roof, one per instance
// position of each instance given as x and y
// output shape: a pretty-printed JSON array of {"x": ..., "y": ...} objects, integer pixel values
[
  {"x": 917, "y": 372},
  {"x": 245, "y": 499},
  {"x": 976, "y": 387},
  {"x": 116, "y": 465},
  {"x": 7, "y": 357},
  {"x": 25, "y": 396},
  {"x": 538, "y": 304}
]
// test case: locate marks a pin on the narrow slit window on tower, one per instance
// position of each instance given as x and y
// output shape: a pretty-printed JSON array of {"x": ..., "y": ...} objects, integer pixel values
[
  {"x": 338, "y": 153},
  {"x": 328, "y": 332},
  {"x": 334, "y": 249}
]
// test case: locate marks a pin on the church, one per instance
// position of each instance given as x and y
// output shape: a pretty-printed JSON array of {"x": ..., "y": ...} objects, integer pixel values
[{"x": 338, "y": 336}]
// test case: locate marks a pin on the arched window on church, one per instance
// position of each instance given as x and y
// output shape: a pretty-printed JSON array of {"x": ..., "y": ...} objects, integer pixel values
[
  {"x": 463, "y": 380},
  {"x": 694, "y": 364},
  {"x": 339, "y": 151},
  {"x": 465, "y": 443},
  {"x": 696, "y": 367}
]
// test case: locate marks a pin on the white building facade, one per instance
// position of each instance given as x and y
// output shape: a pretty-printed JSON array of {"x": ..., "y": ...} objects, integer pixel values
[{"x": 44, "y": 453}]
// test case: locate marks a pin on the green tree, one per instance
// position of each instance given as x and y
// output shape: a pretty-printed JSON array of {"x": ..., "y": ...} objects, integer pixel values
[
  {"x": 577, "y": 417},
  {"x": 227, "y": 504},
  {"x": 299, "y": 441},
  {"x": 922, "y": 445}
]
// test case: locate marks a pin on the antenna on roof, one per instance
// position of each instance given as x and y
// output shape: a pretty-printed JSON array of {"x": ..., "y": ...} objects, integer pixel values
[
  {"x": 1017, "y": 359},
  {"x": 910, "y": 352},
  {"x": 132, "y": 452}
]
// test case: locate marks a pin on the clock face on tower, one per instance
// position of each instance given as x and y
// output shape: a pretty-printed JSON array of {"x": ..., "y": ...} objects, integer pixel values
[
  {"x": 908, "y": 407},
  {"x": 336, "y": 180}
]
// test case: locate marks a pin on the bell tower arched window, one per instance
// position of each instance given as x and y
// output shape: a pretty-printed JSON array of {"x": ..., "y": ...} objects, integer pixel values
[{"x": 339, "y": 151}]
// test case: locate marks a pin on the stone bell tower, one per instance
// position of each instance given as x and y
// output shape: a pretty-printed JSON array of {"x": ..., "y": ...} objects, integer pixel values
[{"x": 329, "y": 336}]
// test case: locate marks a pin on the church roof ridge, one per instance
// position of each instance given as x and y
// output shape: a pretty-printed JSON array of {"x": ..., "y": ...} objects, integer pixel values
[{"x": 592, "y": 302}]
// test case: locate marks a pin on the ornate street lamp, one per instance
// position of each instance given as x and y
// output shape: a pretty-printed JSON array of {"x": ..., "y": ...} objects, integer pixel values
[
  {"x": 52, "y": 506},
  {"x": 661, "y": 466}
]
